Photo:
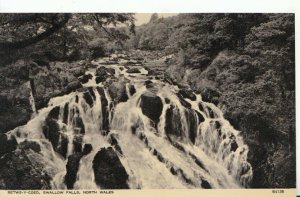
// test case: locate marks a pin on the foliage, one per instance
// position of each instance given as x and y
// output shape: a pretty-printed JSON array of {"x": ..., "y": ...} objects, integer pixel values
[{"x": 58, "y": 36}]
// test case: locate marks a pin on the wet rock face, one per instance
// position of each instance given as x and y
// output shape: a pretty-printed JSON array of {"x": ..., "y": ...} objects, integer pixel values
[
  {"x": 210, "y": 95},
  {"x": 109, "y": 171},
  {"x": 186, "y": 93},
  {"x": 173, "y": 126},
  {"x": 51, "y": 131},
  {"x": 87, "y": 148},
  {"x": 105, "y": 108},
  {"x": 73, "y": 164},
  {"x": 117, "y": 91},
  {"x": 151, "y": 106},
  {"x": 132, "y": 89},
  {"x": 72, "y": 169},
  {"x": 183, "y": 101},
  {"x": 192, "y": 124},
  {"x": 85, "y": 78},
  {"x": 178, "y": 129}
]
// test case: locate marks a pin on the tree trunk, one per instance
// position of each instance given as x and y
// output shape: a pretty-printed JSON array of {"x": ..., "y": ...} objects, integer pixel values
[{"x": 8, "y": 46}]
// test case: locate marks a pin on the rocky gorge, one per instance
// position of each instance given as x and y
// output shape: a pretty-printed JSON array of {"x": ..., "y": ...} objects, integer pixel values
[{"x": 82, "y": 118}]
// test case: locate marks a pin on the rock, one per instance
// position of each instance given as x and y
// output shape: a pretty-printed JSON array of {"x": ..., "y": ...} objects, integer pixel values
[
  {"x": 77, "y": 143},
  {"x": 201, "y": 119},
  {"x": 205, "y": 184},
  {"x": 149, "y": 84},
  {"x": 66, "y": 113},
  {"x": 7, "y": 144},
  {"x": 167, "y": 101},
  {"x": 54, "y": 113},
  {"x": 78, "y": 124},
  {"x": 133, "y": 70},
  {"x": 88, "y": 98},
  {"x": 233, "y": 145},
  {"x": 191, "y": 117},
  {"x": 73, "y": 86},
  {"x": 151, "y": 72},
  {"x": 105, "y": 108},
  {"x": 104, "y": 72},
  {"x": 51, "y": 131},
  {"x": 30, "y": 145},
  {"x": 111, "y": 71},
  {"x": 18, "y": 171},
  {"x": 15, "y": 108},
  {"x": 151, "y": 106},
  {"x": 132, "y": 89},
  {"x": 183, "y": 102},
  {"x": 100, "y": 79},
  {"x": 63, "y": 145},
  {"x": 173, "y": 125},
  {"x": 72, "y": 169},
  {"x": 85, "y": 78},
  {"x": 186, "y": 93},
  {"x": 207, "y": 110},
  {"x": 112, "y": 139},
  {"x": 117, "y": 91},
  {"x": 210, "y": 95},
  {"x": 87, "y": 148},
  {"x": 76, "y": 70},
  {"x": 109, "y": 171},
  {"x": 174, "y": 128}
]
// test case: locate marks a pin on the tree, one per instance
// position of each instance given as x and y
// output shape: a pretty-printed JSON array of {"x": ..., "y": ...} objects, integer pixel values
[
  {"x": 19, "y": 31},
  {"x": 153, "y": 18}
]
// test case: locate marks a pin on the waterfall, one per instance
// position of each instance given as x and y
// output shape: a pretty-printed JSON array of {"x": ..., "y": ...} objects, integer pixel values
[
  {"x": 31, "y": 99},
  {"x": 174, "y": 143}
]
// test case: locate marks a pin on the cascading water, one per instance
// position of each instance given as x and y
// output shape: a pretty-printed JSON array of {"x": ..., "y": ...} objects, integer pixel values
[{"x": 162, "y": 139}]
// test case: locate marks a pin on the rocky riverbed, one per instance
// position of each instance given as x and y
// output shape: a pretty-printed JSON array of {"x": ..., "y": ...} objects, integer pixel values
[{"x": 27, "y": 88}]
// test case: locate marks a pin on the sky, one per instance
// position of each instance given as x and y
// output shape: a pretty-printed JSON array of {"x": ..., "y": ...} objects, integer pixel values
[{"x": 142, "y": 18}]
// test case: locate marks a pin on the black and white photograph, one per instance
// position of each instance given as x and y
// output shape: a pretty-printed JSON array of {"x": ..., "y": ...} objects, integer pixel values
[{"x": 120, "y": 100}]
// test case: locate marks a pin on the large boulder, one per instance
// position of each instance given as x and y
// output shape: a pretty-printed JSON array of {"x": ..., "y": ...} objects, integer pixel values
[
  {"x": 73, "y": 86},
  {"x": 151, "y": 106},
  {"x": 117, "y": 90},
  {"x": 52, "y": 132},
  {"x": 15, "y": 107},
  {"x": 24, "y": 169},
  {"x": 109, "y": 171},
  {"x": 180, "y": 126},
  {"x": 102, "y": 73},
  {"x": 72, "y": 169}
]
